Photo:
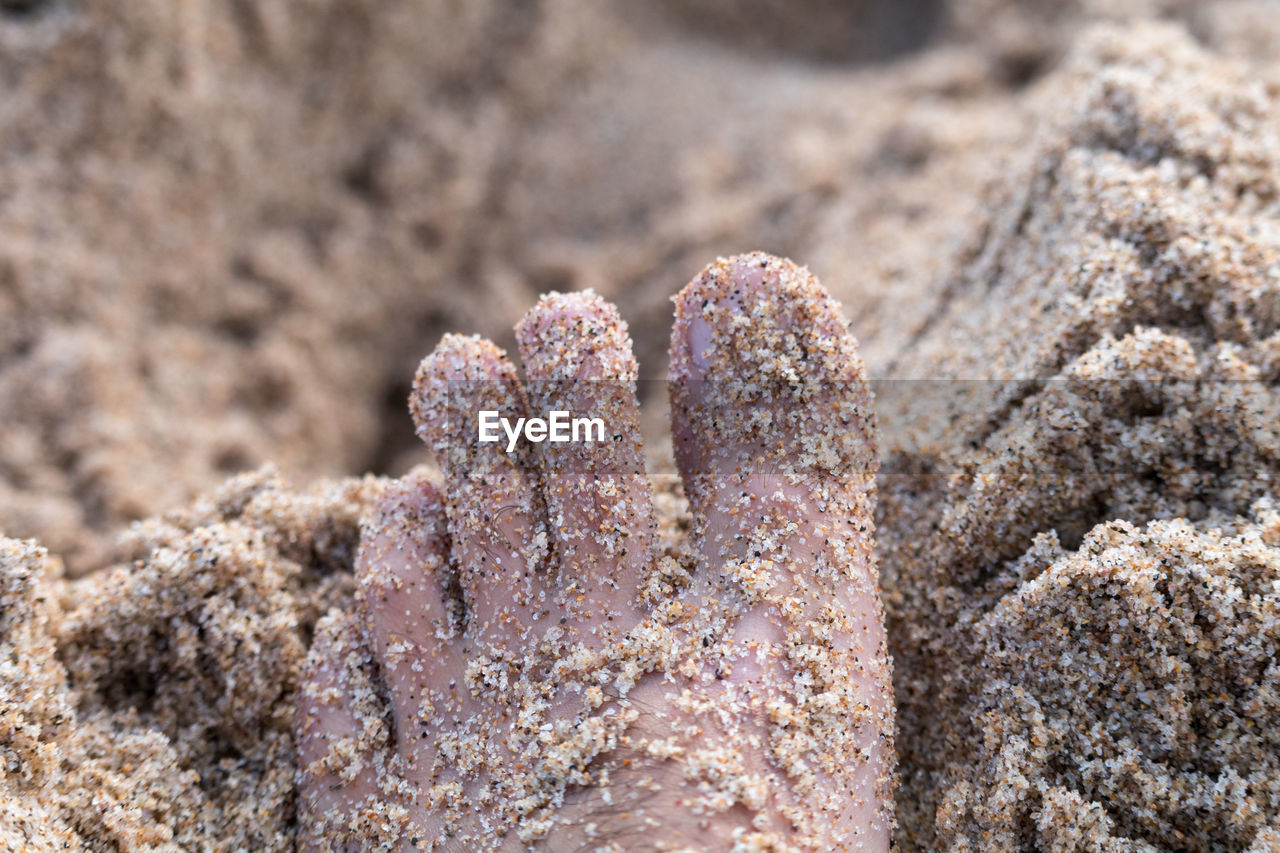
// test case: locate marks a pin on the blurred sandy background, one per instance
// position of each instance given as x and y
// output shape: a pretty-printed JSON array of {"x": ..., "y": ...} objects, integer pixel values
[{"x": 229, "y": 230}]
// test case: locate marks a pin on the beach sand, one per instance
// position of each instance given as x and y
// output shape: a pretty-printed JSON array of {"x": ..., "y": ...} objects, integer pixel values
[{"x": 229, "y": 233}]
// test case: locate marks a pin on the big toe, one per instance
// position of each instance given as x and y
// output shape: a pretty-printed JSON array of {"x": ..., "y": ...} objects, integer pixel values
[
  {"x": 774, "y": 433},
  {"x": 765, "y": 377},
  {"x": 774, "y": 430}
]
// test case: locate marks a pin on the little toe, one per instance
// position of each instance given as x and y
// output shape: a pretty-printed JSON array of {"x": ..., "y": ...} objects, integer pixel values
[
  {"x": 496, "y": 516},
  {"x": 579, "y": 362},
  {"x": 774, "y": 436},
  {"x": 405, "y": 590},
  {"x": 341, "y": 737}
]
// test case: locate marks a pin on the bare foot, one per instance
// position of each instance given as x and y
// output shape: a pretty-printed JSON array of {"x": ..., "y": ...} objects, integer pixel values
[{"x": 527, "y": 672}]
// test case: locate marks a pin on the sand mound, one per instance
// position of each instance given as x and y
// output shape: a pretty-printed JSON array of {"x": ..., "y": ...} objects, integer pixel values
[
  {"x": 149, "y": 707},
  {"x": 1081, "y": 554}
]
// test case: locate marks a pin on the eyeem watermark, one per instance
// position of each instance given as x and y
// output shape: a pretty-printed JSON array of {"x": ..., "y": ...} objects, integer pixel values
[{"x": 557, "y": 427}]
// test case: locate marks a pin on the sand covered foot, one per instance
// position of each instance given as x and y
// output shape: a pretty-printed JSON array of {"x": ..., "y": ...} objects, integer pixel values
[{"x": 530, "y": 668}]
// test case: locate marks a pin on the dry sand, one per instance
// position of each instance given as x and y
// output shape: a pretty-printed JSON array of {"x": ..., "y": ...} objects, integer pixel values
[{"x": 230, "y": 231}]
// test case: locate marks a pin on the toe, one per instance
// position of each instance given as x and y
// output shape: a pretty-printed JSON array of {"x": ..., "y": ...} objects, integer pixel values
[
  {"x": 772, "y": 422},
  {"x": 341, "y": 737},
  {"x": 405, "y": 590},
  {"x": 496, "y": 517},
  {"x": 765, "y": 378},
  {"x": 579, "y": 361},
  {"x": 774, "y": 435}
]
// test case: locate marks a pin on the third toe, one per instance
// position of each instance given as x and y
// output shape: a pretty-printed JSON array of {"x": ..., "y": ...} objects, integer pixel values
[
  {"x": 497, "y": 521},
  {"x": 579, "y": 362}
]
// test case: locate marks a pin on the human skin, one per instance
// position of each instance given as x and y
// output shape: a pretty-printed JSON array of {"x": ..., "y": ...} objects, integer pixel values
[{"x": 529, "y": 668}]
